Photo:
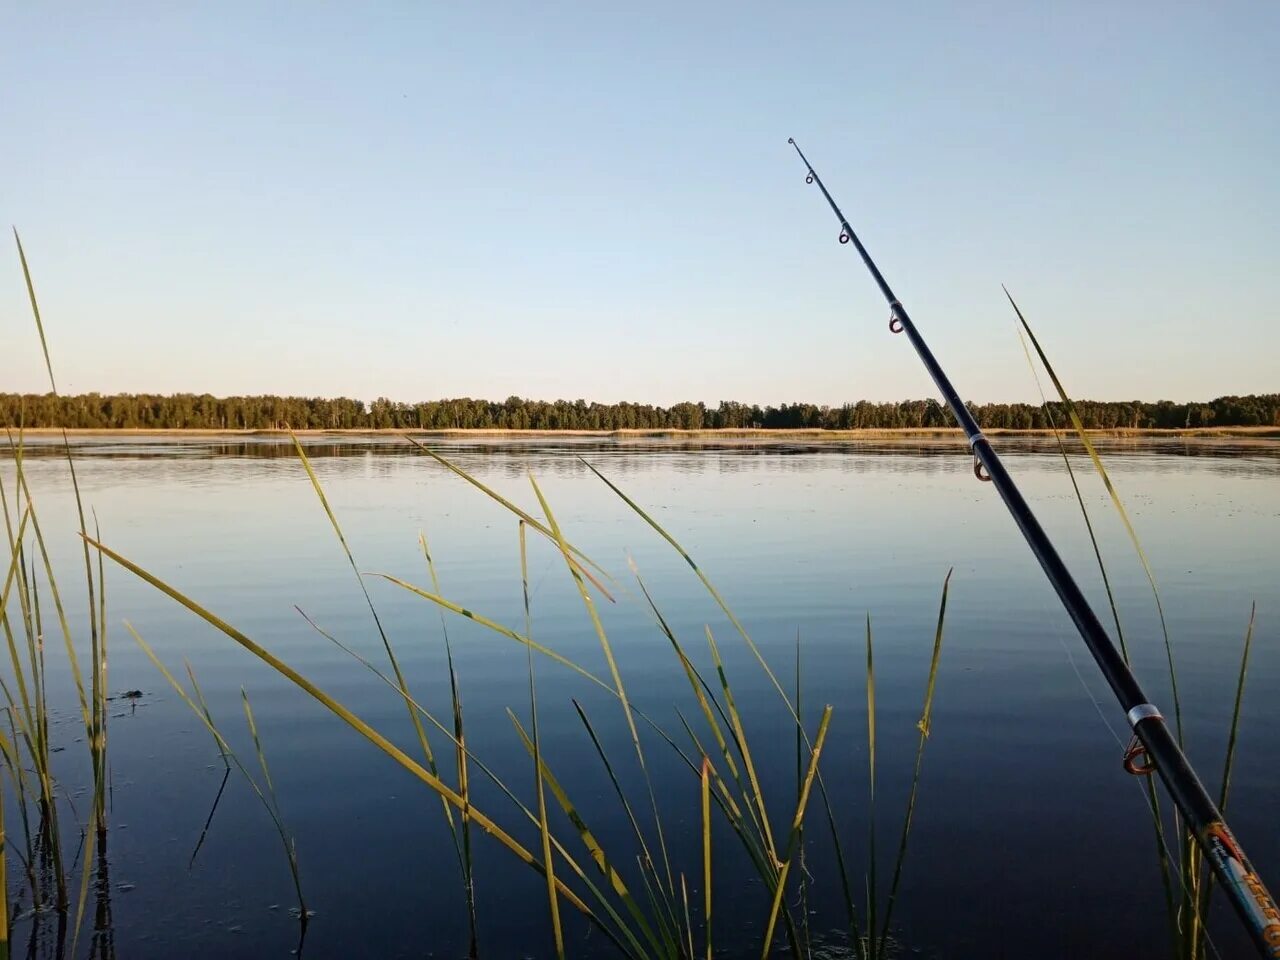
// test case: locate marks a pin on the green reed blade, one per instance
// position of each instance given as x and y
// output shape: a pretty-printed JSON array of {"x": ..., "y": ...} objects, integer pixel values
[
  {"x": 740, "y": 739},
  {"x": 594, "y": 848},
  {"x": 616, "y": 674},
  {"x": 846, "y": 886},
  {"x": 793, "y": 838},
  {"x": 96, "y": 741},
  {"x": 924, "y": 726},
  {"x": 1078, "y": 424},
  {"x": 462, "y": 836},
  {"x": 706, "y": 700},
  {"x": 100, "y": 689},
  {"x": 688, "y": 917},
  {"x": 204, "y": 710},
  {"x": 4, "y": 885},
  {"x": 1153, "y": 798},
  {"x": 340, "y": 711},
  {"x": 664, "y": 910},
  {"x": 628, "y": 949},
  {"x": 15, "y": 565},
  {"x": 35, "y": 308},
  {"x": 1187, "y": 845},
  {"x": 13, "y": 762},
  {"x": 723, "y": 799},
  {"x": 85, "y": 870},
  {"x": 554, "y": 901},
  {"x": 746, "y": 637},
  {"x": 1206, "y": 890},
  {"x": 462, "y": 843},
  {"x": 706, "y": 852},
  {"x": 268, "y": 803},
  {"x": 290, "y": 844},
  {"x": 873, "y": 905},
  {"x": 706, "y": 582},
  {"x": 364, "y": 589},
  {"x": 497, "y": 497},
  {"x": 32, "y": 720},
  {"x": 56, "y": 596},
  {"x": 257, "y": 746},
  {"x": 496, "y": 628},
  {"x": 1075, "y": 486},
  {"x": 1235, "y": 712},
  {"x": 771, "y": 872},
  {"x": 732, "y": 812},
  {"x": 803, "y": 906}
]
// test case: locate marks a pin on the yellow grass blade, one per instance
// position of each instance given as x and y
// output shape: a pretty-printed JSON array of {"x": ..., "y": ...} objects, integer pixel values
[
  {"x": 86, "y": 869},
  {"x": 497, "y": 497},
  {"x": 346, "y": 549},
  {"x": 1078, "y": 424},
  {"x": 706, "y": 582},
  {"x": 796, "y": 823},
  {"x": 873, "y": 905},
  {"x": 924, "y": 725},
  {"x": 614, "y": 673},
  {"x": 594, "y": 849},
  {"x": 532, "y": 817},
  {"x": 353, "y": 721},
  {"x": 496, "y": 628},
  {"x": 740, "y": 737},
  {"x": 706, "y": 851},
  {"x": 553, "y": 900},
  {"x": 4, "y": 886},
  {"x": 97, "y": 738}
]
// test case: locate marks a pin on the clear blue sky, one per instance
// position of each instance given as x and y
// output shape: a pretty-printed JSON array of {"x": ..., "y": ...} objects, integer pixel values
[{"x": 598, "y": 200}]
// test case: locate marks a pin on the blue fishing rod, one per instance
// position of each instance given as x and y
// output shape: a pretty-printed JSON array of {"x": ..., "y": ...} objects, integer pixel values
[{"x": 1154, "y": 748}]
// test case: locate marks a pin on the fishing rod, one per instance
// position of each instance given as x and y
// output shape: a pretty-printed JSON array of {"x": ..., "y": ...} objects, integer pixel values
[{"x": 1154, "y": 747}]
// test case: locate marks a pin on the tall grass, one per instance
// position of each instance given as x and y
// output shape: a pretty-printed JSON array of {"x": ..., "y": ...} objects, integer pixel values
[
  {"x": 96, "y": 711},
  {"x": 460, "y": 830},
  {"x": 31, "y": 581},
  {"x": 195, "y": 701},
  {"x": 636, "y": 895},
  {"x": 658, "y": 918},
  {"x": 1188, "y": 883}
]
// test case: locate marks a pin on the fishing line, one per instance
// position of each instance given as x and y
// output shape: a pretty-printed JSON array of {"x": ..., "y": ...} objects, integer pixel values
[{"x": 1146, "y": 800}]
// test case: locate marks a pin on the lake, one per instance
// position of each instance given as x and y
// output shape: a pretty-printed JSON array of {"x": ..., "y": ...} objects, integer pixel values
[{"x": 1029, "y": 838}]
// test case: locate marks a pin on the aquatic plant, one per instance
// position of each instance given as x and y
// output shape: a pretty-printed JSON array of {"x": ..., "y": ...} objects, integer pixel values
[
  {"x": 660, "y": 922},
  {"x": 1187, "y": 880}
]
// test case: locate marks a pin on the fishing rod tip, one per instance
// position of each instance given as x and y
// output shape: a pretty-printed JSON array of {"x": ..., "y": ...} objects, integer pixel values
[{"x": 791, "y": 140}]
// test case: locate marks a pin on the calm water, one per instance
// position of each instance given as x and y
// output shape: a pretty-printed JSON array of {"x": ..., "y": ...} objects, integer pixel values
[{"x": 1029, "y": 838}]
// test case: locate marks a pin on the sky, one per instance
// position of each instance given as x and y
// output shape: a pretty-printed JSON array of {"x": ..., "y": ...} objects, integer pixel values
[{"x": 597, "y": 200}]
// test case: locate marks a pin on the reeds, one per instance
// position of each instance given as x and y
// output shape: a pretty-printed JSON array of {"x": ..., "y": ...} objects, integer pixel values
[
  {"x": 196, "y": 703},
  {"x": 1188, "y": 883},
  {"x": 645, "y": 912},
  {"x": 661, "y": 921},
  {"x": 30, "y": 579}
]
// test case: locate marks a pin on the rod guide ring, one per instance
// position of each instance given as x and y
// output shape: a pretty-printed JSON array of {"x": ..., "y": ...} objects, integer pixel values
[
  {"x": 1143, "y": 711},
  {"x": 895, "y": 322},
  {"x": 1136, "y": 760}
]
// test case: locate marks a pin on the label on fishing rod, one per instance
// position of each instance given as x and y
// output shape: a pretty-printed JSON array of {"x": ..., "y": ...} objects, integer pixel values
[{"x": 1222, "y": 847}]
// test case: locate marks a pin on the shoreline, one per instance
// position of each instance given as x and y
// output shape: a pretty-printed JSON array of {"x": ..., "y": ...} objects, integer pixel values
[{"x": 904, "y": 433}]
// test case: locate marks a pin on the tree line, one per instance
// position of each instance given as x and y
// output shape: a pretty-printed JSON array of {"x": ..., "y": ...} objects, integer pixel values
[{"x": 187, "y": 411}]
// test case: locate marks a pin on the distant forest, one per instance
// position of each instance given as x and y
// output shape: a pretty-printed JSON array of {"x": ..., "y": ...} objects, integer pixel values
[{"x": 186, "y": 411}]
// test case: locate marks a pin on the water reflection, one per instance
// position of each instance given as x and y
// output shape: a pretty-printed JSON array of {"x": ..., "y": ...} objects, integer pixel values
[
  {"x": 275, "y": 446},
  {"x": 204, "y": 831},
  {"x": 801, "y": 538},
  {"x": 102, "y": 945}
]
